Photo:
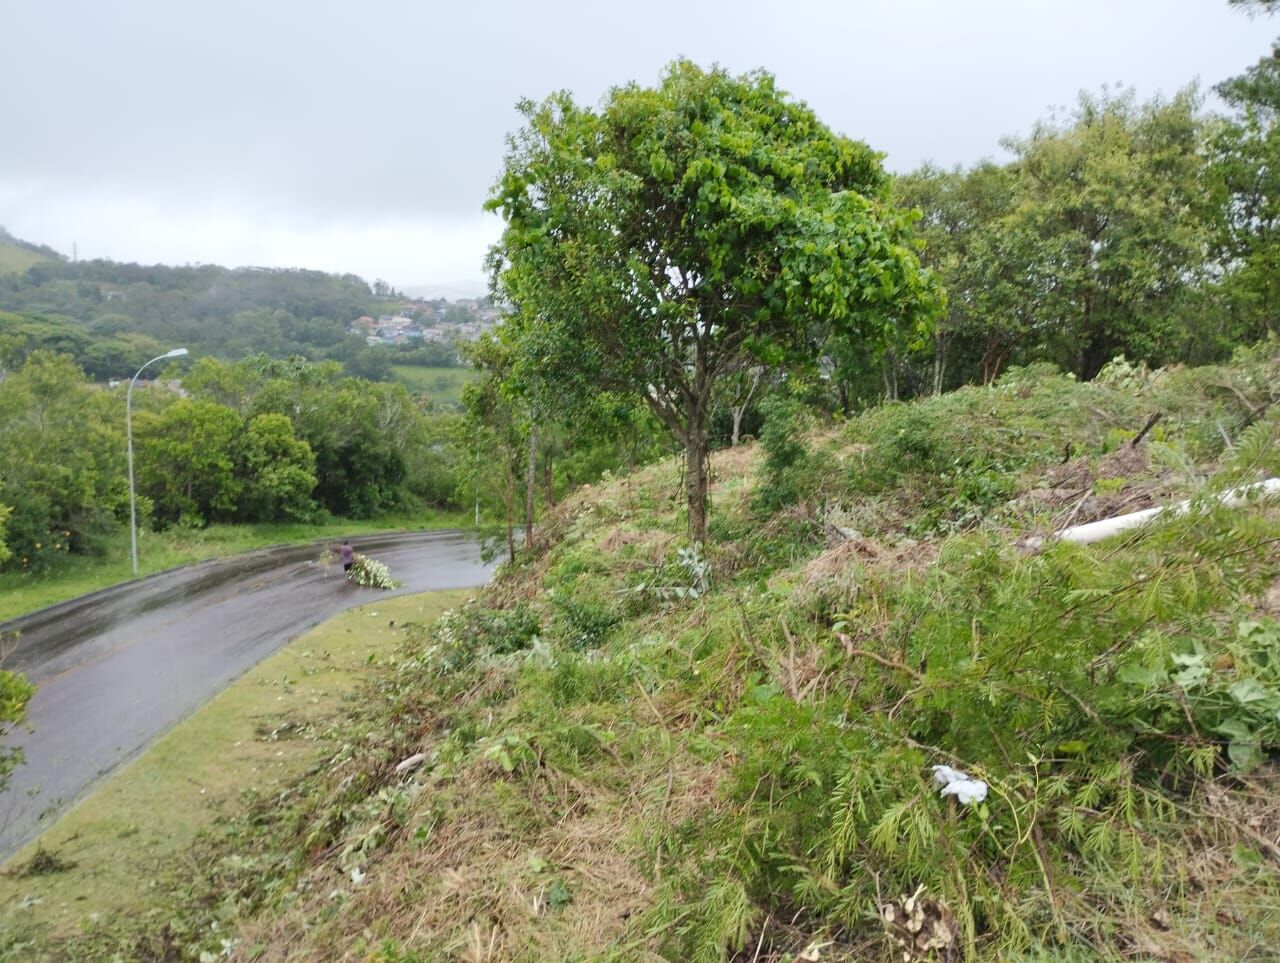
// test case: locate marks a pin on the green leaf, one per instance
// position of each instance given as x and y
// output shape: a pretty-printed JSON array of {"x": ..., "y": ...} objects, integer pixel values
[
  {"x": 1236, "y": 728},
  {"x": 1248, "y": 691},
  {"x": 1245, "y": 756},
  {"x": 558, "y": 895},
  {"x": 1191, "y": 677}
]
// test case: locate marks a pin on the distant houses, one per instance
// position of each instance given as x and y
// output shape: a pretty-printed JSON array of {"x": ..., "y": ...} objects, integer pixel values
[{"x": 440, "y": 322}]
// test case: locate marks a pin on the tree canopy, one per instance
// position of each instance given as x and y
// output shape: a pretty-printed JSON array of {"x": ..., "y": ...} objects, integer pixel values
[{"x": 685, "y": 232}]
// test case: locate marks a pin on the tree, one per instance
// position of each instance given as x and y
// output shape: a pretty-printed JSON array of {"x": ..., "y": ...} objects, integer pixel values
[
  {"x": 1114, "y": 207},
  {"x": 15, "y": 693},
  {"x": 493, "y": 435},
  {"x": 684, "y": 233},
  {"x": 1246, "y": 160},
  {"x": 277, "y": 472},
  {"x": 5, "y": 553},
  {"x": 232, "y": 385},
  {"x": 736, "y": 393},
  {"x": 61, "y": 461},
  {"x": 187, "y": 461},
  {"x": 981, "y": 258},
  {"x": 1256, "y": 6}
]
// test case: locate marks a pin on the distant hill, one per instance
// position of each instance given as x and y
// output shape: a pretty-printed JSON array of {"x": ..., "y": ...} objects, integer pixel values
[
  {"x": 16, "y": 255},
  {"x": 112, "y": 316}
]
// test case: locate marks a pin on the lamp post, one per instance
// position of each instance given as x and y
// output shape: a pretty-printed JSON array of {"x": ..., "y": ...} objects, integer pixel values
[{"x": 128, "y": 427}]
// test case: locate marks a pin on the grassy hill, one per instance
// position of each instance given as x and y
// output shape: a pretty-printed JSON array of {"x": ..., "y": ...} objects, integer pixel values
[
  {"x": 630, "y": 748},
  {"x": 17, "y": 256}
]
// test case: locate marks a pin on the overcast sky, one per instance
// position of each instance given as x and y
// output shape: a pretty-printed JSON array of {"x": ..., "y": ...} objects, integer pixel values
[{"x": 364, "y": 136}]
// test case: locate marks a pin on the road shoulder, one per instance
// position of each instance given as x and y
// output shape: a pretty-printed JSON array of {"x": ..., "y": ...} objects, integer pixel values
[{"x": 258, "y": 733}]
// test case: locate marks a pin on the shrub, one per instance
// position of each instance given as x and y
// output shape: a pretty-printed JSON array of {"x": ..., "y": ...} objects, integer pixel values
[{"x": 783, "y": 479}]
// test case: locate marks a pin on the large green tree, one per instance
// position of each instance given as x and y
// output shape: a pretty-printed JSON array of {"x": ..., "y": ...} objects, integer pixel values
[
  {"x": 1113, "y": 202},
  {"x": 277, "y": 471},
  {"x": 187, "y": 461},
  {"x": 980, "y": 253},
  {"x": 62, "y": 471},
  {"x": 683, "y": 233},
  {"x": 1246, "y": 162}
]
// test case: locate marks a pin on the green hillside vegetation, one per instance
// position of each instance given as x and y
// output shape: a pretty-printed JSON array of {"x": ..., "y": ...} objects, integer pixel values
[
  {"x": 634, "y": 749},
  {"x": 440, "y": 386},
  {"x": 113, "y": 314},
  {"x": 16, "y": 257},
  {"x": 112, "y": 317},
  {"x": 706, "y": 711},
  {"x": 258, "y": 442}
]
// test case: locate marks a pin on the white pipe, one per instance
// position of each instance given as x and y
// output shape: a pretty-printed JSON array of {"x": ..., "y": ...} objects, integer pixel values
[{"x": 1096, "y": 531}]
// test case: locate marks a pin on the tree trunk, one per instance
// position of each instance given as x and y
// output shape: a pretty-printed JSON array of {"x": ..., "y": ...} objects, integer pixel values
[
  {"x": 889, "y": 372},
  {"x": 739, "y": 410},
  {"x": 1092, "y": 358},
  {"x": 842, "y": 397},
  {"x": 939, "y": 363},
  {"x": 509, "y": 484},
  {"x": 696, "y": 452},
  {"x": 990, "y": 359},
  {"x": 695, "y": 482},
  {"x": 1097, "y": 348},
  {"x": 530, "y": 484}
]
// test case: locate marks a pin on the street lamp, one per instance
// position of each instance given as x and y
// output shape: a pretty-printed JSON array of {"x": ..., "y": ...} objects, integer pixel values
[{"x": 128, "y": 427}]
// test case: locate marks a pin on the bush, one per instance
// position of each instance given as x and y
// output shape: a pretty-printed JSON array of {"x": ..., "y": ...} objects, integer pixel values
[
  {"x": 581, "y": 622},
  {"x": 783, "y": 479},
  {"x": 15, "y": 693}
]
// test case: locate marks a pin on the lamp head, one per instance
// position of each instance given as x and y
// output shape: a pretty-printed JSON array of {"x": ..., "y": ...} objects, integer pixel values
[{"x": 176, "y": 353}]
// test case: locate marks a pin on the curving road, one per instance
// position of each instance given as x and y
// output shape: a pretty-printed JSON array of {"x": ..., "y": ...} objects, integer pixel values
[{"x": 117, "y": 668}]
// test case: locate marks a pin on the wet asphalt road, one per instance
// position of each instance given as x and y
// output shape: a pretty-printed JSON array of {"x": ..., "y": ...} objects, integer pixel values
[{"x": 117, "y": 668}]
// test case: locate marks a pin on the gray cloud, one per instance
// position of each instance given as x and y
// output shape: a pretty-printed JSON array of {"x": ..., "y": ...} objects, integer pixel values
[{"x": 358, "y": 135}]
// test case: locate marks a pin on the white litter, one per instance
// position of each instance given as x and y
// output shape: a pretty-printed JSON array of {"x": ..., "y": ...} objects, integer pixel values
[
  {"x": 956, "y": 783},
  {"x": 413, "y": 762}
]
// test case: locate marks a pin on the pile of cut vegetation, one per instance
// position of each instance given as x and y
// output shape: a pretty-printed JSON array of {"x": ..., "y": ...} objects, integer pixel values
[{"x": 632, "y": 748}]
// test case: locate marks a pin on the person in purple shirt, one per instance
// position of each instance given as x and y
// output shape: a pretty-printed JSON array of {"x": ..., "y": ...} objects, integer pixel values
[{"x": 348, "y": 555}]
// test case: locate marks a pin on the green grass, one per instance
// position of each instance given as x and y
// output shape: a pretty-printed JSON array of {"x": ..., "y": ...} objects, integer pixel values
[
  {"x": 160, "y": 551},
  {"x": 16, "y": 260},
  {"x": 258, "y": 733},
  {"x": 442, "y": 385},
  {"x": 617, "y": 767}
]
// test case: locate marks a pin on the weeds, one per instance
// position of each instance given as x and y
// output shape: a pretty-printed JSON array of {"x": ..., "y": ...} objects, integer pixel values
[
  {"x": 743, "y": 769},
  {"x": 42, "y": 862}
]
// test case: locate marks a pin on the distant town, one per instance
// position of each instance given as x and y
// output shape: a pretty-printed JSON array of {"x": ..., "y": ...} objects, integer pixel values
[{"x": 438, "y": 321}]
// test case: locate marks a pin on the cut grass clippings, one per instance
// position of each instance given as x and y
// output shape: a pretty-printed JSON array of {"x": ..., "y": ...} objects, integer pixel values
[{"x": 254, "y": 734}]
